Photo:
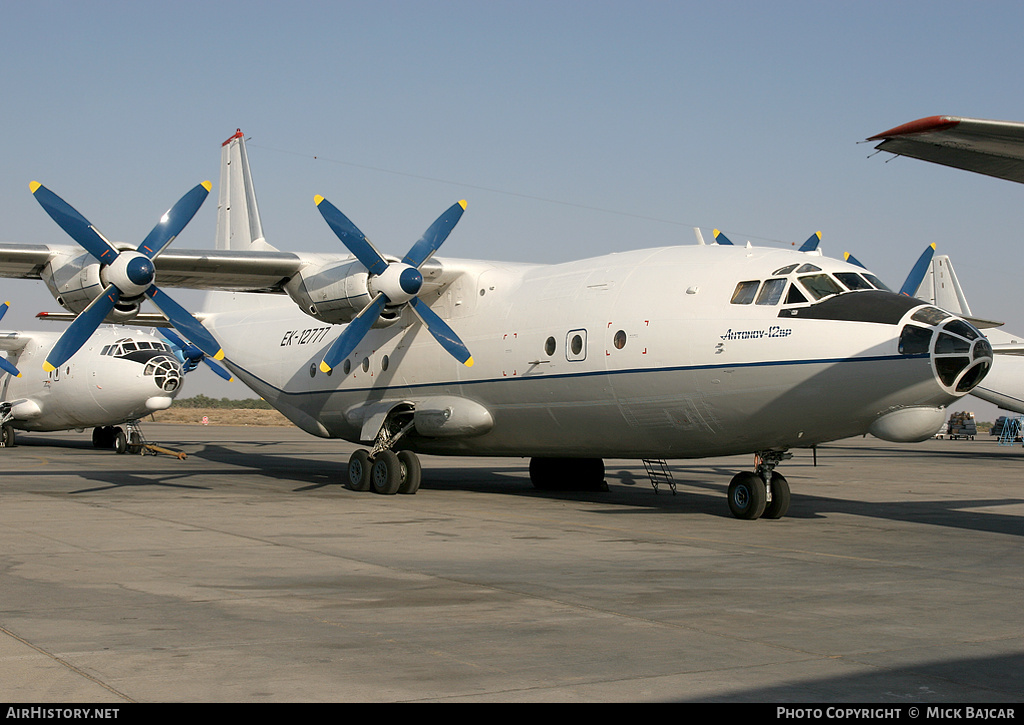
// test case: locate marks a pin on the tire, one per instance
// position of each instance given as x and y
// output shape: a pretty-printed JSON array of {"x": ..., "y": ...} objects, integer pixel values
[
  {"x": 120, "y": 441},
  {"x": 386, "y": 473},
  {"x": 412, "y": 472},
  {"x": 358, "y": 475},
  {"x": 7, "y": 436},
  {"x": 747, "y": 496},
  {"x": 779, "y": 504}
]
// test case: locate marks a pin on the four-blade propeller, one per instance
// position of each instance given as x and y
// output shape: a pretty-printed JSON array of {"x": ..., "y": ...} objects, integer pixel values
[
  {"x": 392, "y": 284},
  {"x": 129, "y": 274},
  {"x": 190, "y": 355},
  {"x": 6, "y": 366}
]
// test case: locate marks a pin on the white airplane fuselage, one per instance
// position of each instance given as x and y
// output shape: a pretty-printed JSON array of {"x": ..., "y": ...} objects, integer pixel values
[
  {"x": 632, "y": 355},
  {"x": 107, "y": 382}
]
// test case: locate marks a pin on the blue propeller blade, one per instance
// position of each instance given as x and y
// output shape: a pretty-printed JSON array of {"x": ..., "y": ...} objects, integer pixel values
[
  {"x": 81, "y": 328},
  {"x": 4, "y": 364},
  {"x": 184, "y": 321},
  {"x": 442, "y": 332},
  {"x": 435, "y": 235},
  {"x": 721, "y": 238},
  {"x": 353, "y": 333},
  {"x": 353, "y": 239},
  {"x": 853, "y": 260},
  {"x": 171, "y": 223},
  {"x": 76, "y": 225},
  {"x": 192, "y": 355},
  {"x": 916, "y": 275},
  {"x": 811, "y": 244}
]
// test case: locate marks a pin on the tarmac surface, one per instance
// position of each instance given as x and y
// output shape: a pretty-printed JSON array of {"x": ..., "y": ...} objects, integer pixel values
[{"x": 246, "y": 573}]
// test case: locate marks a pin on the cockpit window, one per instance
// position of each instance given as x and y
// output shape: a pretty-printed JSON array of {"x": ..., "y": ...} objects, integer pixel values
[
  {"x": 784, "y": 270},
  {"x": 808, "y": 268},
  {"x": 126, "y": 346},
  {"x": 744, "y": 292},
  {"x": 820, "y": 285},
  {"x": 853, "y": 280},
  {"x": 795, "y": 296},
  {"x": 879, "y": 284},
  {"x": 771, "y": 292},
  {"x": 930, "y": 315}
]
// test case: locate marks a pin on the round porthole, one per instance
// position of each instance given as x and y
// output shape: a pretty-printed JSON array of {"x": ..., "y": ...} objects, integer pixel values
[
  {"x": 312, "y": 370},
  {"x": 549, "y": 346},
  {"x": 384, "y": 362},
  {"x": 347, "y": 366},
  {"x": 366, "y": 364},
  {"x": 576, "y": 345},
  {"x": 619, "y": 340}
]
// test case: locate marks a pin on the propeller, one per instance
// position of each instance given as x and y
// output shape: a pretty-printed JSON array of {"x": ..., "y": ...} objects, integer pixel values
[
  {"x": 853, "y": 260},
  {"x": 811, "y": 244},
  {"x": 392, "y": 284},
  {"x": 916, "y": 275},
  {"x": 721, "y": 238},
  {"x": 191, "y": 355},
  {"x": 6, "y": 366},
  {"x": 129, "y": 274}
]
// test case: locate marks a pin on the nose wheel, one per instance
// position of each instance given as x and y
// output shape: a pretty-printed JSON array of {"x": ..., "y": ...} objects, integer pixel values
[{"x": 763, "y": 493}]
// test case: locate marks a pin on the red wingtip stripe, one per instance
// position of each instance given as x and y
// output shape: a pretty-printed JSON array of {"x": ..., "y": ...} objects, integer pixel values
[{"x": 930, "y": 124}]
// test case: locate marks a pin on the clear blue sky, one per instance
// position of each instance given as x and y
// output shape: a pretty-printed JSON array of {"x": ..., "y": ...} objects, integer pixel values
[{"x": 572, "y": 128}]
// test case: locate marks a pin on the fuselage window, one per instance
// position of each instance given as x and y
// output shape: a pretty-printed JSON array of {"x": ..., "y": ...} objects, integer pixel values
[
  {"x": 853, "y": 280},
  {"x": 771, "y": 292},
  {"x": 744, "y": 292},
  {"x": 549, "y": 346},
  {"x": 620, "y": 339},
  {"x": 820, "y": 285}
]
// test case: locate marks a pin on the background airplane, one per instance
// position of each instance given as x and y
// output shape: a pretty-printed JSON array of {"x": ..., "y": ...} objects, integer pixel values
[
  {"x": 673, "y": 352},
  {"x": 116, "y": 378}
]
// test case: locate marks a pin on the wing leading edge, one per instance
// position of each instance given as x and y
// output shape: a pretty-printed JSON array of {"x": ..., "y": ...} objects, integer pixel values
[{"x": 992, "y": 148}]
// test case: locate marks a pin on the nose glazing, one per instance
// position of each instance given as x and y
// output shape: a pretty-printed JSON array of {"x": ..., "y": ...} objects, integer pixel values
[{"x": 959, "y": 353}]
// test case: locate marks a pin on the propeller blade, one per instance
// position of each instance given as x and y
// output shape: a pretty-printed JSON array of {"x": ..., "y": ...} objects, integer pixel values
[
  {"x": 77, "y": 226},
  {"x": 353, "y": 333},
  {"x": 853, "y": 260},
  {"x": 435, "y": 235},
  {"x": 916, "y": 275},
  {"x": 193, "y": 355},
  {"x": 811, "y": 244},
  {"x": 353, "y": 239},
  {"x": 174, "y": 220},
  {"x": 6, "y": 366},
  {"x": 81, "y": 328},
  {"x": 721, "y": 238},
  {"x": 442, "y": 332},
  {"x": 184, "y": 321}
]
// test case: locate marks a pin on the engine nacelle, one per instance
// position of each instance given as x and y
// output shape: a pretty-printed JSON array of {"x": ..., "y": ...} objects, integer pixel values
[
  {"x": 335, "y": 293},
  {"x": 76, "y": 281}
]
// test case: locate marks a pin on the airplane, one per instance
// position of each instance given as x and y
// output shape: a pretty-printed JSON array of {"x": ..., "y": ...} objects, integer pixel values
[
  {"x": 667, "y": 353},
  {"x": 116, "y": 378}
]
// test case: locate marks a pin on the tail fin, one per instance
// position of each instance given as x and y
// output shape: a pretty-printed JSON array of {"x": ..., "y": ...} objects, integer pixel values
[
  {"x": 941, "y": 288},
  {"x": 238, "y": 217}
]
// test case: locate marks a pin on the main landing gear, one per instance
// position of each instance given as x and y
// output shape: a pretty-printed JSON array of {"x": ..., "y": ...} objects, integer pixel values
[
  {"x": 381, "y": 469},
  {"x": 762, "y": 493}
]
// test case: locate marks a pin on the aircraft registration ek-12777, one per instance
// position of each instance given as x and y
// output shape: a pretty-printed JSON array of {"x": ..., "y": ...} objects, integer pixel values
[
  {"x": 666, "y": 353},
  {"x": 116, "y": 378}
]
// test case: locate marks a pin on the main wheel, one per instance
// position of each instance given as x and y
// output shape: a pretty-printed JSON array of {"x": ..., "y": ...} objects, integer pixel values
[
  {"x": 7, "y": 436},
  {"x": 779, "y": 504},
  {"x": 120, "y": 440},
  {"x": 747, "y": 495},
  {"x": 358, "y": 478},
  {"x": 386, "y": 473},
  {"x": 412, "y": 472}
]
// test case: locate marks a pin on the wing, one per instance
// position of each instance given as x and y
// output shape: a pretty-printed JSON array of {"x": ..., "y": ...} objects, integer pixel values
[{"x": 993, "y": 148}]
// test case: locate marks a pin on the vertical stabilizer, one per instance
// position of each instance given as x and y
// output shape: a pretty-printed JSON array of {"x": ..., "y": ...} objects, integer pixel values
[
  {"x": 941, "y": 288},
  {"x": 238, "y": 217}
]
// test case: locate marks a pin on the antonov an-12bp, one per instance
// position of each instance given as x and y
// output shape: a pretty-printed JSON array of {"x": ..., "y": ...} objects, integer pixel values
[
  {"x": 674, "y": 352},
  {"x": 118, "y": 377}
]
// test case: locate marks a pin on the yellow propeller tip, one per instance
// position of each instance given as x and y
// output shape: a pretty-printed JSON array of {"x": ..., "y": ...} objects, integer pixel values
[
  {"x": 469, "y": 363},
  {"x": 933, "y": 245},
  {"x": 34, "y": 186},
  {"x": 219, "y": 355},
  {"x": 324, "y": 367},
  {"x": 463, "y": 204},
  {"x": 48, "y": 367},
  {"x": 818, "y": 234},
  {"x": 317, "y": 199},
  {"x": 207, "y": 185}
]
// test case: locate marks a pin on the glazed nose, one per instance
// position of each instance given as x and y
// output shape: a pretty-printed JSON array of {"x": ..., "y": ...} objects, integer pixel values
[{"x": 960, "y": 355}]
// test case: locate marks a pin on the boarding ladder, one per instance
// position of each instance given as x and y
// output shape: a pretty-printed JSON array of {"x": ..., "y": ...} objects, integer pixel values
[
  {"x": 1011, "y": 431},
  {"x": 657, "y": 471}
]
